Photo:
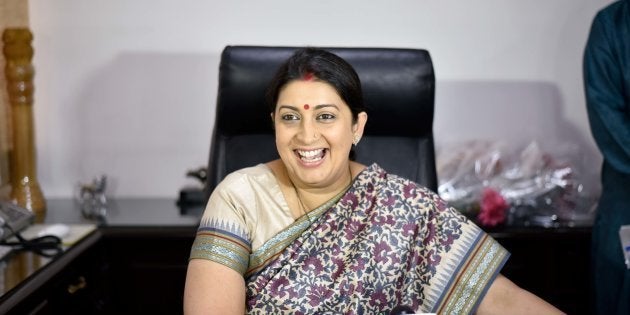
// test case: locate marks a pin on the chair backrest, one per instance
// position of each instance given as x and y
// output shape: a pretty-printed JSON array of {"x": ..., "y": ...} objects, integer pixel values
[{"x": 398, "y": 87}]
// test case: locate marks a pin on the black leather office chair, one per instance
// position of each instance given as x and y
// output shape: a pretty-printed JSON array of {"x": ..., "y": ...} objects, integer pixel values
[{"x": 398, "y": 87}]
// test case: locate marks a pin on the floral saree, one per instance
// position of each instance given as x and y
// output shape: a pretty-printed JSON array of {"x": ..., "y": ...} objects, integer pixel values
[{"x": 383, "y": 243}]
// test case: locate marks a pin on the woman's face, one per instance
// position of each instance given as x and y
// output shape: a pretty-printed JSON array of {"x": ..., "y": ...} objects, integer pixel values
[{"x": 314, "y": 133}]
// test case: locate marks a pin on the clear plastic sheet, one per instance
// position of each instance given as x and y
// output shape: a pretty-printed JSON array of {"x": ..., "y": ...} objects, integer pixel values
[{"x": 529, "y": 186}]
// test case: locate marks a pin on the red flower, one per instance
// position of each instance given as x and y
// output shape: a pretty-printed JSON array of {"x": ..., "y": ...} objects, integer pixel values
[{"x": 493, "y": 208}]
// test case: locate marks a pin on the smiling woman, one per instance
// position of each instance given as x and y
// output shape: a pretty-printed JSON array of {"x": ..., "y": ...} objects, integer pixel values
[
  {"x": 316, "y": 232},
  {"x": 314, "y": 145}
]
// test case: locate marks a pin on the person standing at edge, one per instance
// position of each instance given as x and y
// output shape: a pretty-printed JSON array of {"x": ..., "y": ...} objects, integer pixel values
[{"x": 607, "y": 87}]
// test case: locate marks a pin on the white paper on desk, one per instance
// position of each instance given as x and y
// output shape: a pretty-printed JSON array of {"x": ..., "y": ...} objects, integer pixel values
[
  {"x": 76, "y": 232},
  {"x": 624, "y": 236}
]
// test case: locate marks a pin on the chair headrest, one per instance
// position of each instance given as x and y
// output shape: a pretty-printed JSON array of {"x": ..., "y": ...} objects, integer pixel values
[{"x": 398, "y": 87}]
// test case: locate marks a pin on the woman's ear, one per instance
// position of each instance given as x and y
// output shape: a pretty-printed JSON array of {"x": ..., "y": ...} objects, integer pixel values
[
  {"x": 359, "y": 125},
  {"x": 273, "y": 120}
]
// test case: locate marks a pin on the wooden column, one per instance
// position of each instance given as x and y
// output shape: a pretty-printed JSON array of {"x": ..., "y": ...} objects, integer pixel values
[
  {"x": 13, "y": 13},
  {"x": 19, "y": 72}
]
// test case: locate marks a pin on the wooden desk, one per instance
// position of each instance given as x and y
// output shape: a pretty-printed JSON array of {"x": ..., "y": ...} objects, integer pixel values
[
  {"x": 135, "y": 263},
  {"x": 28, "y": 276}
]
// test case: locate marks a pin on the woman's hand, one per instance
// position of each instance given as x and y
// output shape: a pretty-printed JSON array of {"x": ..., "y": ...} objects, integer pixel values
[
  {"x": 212, "y": 288},
  {"x": 505, "y": 297}
]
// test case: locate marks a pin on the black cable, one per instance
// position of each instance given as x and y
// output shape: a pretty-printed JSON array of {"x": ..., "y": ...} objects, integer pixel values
[{"x": 47, "y": 245}]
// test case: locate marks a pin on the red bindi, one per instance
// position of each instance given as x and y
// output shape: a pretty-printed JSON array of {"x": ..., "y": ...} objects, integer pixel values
[{"x": 306, "y": 106}]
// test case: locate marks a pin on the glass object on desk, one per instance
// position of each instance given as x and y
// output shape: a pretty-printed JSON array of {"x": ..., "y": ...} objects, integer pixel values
[{"x": 92, "y": 199}]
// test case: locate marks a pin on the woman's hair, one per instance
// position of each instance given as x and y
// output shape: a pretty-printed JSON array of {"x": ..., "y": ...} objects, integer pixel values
[{"x": 321, "y": 65}]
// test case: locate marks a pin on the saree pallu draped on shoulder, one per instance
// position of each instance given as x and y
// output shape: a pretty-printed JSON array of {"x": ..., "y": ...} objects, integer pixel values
[{"x": 386, "y": 242}]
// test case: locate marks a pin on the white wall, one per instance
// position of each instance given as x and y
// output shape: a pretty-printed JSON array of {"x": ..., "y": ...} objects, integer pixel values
[{"x": 126, "y": 88}]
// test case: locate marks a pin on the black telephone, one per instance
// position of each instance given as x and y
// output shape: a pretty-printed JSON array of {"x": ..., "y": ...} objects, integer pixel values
[{"x": 13, "y": 219}]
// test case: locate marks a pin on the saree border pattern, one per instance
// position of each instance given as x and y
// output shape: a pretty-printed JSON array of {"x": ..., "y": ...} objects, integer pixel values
[
  {"x": 463, "y": 291},
  {"x": 222, "y": 242}
]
